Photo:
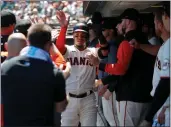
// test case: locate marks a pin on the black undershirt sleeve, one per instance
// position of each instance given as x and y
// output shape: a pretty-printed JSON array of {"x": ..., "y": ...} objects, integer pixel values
[
  {"x": 161, "y": 94},
  {"x": 111, "y": 80}
]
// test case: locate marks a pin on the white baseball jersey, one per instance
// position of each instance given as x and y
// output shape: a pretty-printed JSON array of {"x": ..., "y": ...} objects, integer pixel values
[
  {"x": 162, "y": 65},
  {"x": 83, "y": 74}
]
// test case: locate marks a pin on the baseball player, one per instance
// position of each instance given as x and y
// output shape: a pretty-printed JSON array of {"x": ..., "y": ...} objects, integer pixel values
[
  {"x": 79, "y": 86},
  {"x": 161, "y": 76},
  {"x": 133, "y": 90},
  {"x": 109, "y": 105}
]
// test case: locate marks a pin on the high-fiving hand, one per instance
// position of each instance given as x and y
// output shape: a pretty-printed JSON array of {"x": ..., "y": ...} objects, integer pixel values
[
  {"x": 63, "y": 19},
  {"x": 98, "y": 83},
  {"x": 92, "y": 59}
]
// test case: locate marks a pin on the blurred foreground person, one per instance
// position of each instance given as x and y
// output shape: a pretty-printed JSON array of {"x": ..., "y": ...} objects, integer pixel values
[
  {"x": 31, "y": 84},
  {"x": 16, "y": 42},
  {"x": 8, "y": 21}
]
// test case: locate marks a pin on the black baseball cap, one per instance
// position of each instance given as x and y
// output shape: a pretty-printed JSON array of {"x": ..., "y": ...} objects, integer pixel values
[
  {"x": 108, "y": 24},
  {"x": 97, "y": 18},
  {"x": 22, "y": 26},
  {"x": 7, "y": 18},
  {"x": 148, "y": 20},
  {"x": 131, "y": 14}
]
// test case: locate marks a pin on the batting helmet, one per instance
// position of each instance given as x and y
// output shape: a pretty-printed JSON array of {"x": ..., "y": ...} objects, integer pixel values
[{"x": 81, "y": 27}]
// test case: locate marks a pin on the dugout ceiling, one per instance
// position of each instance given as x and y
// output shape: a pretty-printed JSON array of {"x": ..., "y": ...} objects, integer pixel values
[{"x": 115, "y": 8}]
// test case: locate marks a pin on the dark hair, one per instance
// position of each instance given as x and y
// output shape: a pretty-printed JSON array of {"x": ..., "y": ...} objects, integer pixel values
[
  {"x": 158, "y": 14},
  {"x": 90, "y": 26},
  {"x": 39, "y": 35},
  {"x": 7, "y": 18},
  {"x": 97, "y": 18}
]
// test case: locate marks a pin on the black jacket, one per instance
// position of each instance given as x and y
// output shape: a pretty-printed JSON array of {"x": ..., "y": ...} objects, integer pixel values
[{"x": 136, "y": 84}]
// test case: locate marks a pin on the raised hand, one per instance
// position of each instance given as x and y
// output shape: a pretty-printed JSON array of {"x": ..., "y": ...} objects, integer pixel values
[{"x": 63, "y": 19}]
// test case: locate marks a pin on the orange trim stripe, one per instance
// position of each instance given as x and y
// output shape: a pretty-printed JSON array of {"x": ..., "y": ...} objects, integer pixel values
[
  {"x": 113, "y": 111},
  {"x": 125, "y": 113}
]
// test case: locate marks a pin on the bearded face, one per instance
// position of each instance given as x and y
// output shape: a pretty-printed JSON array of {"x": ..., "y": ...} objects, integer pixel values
[{"x": 123, "y": 24}]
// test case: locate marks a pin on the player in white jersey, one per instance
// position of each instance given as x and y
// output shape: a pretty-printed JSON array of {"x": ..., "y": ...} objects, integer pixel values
[
  {"x": 79, "y": 86},
  {"x": 161, "y": 68},
  {"x": 164, "y": 113},
  {"x": 161, "y": 76}
]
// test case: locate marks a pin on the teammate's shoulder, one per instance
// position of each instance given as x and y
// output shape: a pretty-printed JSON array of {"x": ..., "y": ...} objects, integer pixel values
[
  {"x": 166, "y": 45},
  {"x": 70, "y": 47},
  {"x": 92, "y": 49}
]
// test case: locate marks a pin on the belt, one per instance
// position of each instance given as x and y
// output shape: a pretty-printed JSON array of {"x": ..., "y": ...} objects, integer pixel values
[{"x": 81, "y": 95}]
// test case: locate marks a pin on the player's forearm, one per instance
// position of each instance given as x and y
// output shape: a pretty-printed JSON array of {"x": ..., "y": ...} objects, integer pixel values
[
  {"x": 124, "y": 56},
  {"x": 151, "y": 49},
  {"x": 60, "y": 42},
  {"x": 161, "y": 94}
]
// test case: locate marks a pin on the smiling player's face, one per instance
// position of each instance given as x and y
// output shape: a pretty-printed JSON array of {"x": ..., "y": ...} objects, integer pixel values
[{"x": 80, "y": 38}]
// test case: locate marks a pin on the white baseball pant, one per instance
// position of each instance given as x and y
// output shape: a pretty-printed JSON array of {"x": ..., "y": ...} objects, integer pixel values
[
  {"x": 131, "y": 113},
  {"x": 167, "y": 118},
  {"x": 101, "y": 120},
  {"x": 110, "y": 111},
  {"x": 167, "y": 113},
  {"x": 80, "y": 109}
]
